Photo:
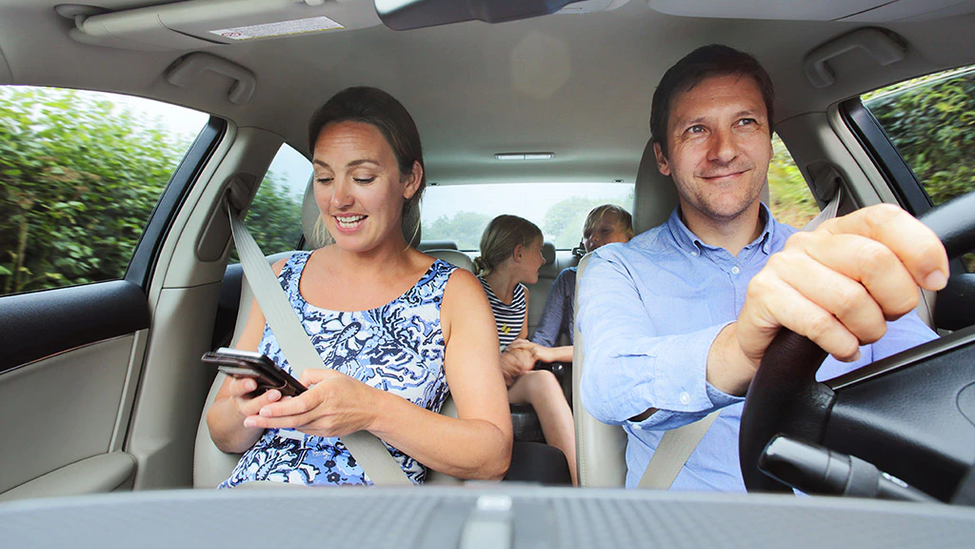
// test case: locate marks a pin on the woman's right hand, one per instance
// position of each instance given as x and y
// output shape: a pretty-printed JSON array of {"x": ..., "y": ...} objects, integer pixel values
[{"x": 247, "y": 403}]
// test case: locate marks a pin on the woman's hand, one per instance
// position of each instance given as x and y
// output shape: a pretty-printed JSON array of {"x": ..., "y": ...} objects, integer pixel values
[
  {"x": 515, "y": 363},
  {"x": 242, "y": 395},
  {"x": 333, "y": 406}
]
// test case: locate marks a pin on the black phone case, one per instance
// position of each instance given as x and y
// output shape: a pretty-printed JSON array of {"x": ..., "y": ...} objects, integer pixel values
[{"x": 259, "y": 367}]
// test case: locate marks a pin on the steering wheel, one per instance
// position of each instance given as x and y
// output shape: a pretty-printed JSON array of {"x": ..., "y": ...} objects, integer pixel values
[{"x": 912, "y": 414}]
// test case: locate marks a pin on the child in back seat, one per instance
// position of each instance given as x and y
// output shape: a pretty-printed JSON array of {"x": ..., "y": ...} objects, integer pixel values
[
  {"x": 511, "y": 254},
  {"x": 606, "y": 224}
]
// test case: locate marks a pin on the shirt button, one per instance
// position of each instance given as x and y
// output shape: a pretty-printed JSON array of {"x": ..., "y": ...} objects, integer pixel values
[
  {"x": 694, "y": 253},
  {"x": 685, "y": 398},
  {"x": 735, "y": 270}
]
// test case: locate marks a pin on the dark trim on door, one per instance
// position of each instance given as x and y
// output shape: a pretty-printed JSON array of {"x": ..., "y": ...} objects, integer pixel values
[{"x": 40, "y": 324}]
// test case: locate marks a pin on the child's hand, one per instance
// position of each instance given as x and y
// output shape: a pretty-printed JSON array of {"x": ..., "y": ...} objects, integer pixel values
[
  {"x": 515, "y": 363},
  {"x": 538, "y": 352}
]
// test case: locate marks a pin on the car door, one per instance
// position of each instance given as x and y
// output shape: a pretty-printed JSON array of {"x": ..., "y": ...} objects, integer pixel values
[
  {"x": 919, "y": 133},
  {"x": 91, "y": 183}
]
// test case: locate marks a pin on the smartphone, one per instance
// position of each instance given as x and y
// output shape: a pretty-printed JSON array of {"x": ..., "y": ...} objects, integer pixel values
[{"x": 241, "y": 364}]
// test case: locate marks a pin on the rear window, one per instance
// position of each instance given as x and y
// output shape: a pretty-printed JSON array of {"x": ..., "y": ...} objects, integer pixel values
[{"x": 459, "y": 213}]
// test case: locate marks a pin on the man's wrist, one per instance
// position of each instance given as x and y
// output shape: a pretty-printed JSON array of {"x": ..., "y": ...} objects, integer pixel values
[{"x": 728, "y": 369}]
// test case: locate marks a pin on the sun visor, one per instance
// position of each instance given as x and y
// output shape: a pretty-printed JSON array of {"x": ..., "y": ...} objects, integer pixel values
[
  {"x": 874, "y": 11},
  {"x": 202, "y": 23}
]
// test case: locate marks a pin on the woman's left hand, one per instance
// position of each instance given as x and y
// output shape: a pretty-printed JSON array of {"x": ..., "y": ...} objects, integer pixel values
[{"x": 334, "y": 405}]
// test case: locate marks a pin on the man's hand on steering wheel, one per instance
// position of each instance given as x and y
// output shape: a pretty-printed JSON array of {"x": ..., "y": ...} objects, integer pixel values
[{"x": 837, "y": 285}]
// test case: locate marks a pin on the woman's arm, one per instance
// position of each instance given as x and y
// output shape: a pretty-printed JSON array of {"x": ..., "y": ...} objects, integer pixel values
[
  {"x": 475, "y": 445},
  {"x": 225, "y": 419}
]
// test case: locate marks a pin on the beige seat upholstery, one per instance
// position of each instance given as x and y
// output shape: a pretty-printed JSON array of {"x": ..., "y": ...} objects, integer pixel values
[
  {"x": 600, "y": 448},
  {"x": 454, "y": 257},
  {"x": 211, "y": 465}
]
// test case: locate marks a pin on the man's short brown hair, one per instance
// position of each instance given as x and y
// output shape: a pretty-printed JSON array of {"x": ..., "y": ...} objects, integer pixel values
[{"x": 704, "y": 62}]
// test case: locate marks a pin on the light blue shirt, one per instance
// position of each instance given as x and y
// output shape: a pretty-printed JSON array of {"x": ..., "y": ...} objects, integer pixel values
[{"x": 649, "y": 311}]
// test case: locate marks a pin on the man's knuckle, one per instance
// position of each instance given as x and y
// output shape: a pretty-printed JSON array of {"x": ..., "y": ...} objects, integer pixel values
[
  {"x": 874, "y": 257},
  {"x": 819, "y": 325},
  {"x": 798, "y": 240},
  {"x": 849, "y": 300}
]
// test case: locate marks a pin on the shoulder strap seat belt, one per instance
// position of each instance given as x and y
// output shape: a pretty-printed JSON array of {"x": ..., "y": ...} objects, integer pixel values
[
  {"x": 369, "y": 452},
  {"x": 672, "y": 453}
]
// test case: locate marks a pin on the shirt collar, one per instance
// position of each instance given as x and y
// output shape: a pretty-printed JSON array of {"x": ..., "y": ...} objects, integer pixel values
[{"x": 689, "y": 242}]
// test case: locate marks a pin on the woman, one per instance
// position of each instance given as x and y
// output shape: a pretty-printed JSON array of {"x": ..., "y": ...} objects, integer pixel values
[
  {"x": 394, "y": 326},
  {"x": 511, "y": 254}
]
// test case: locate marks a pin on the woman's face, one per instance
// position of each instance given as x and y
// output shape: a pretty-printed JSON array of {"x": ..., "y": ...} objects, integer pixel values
[
  {"x": 531, "y": 261},
  {"x": 605, "y": 231},
  {"x": 358, "y": 186}
]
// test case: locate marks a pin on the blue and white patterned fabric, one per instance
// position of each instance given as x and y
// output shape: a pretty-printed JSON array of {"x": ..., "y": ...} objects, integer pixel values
[{"x": 398, "y": 348}]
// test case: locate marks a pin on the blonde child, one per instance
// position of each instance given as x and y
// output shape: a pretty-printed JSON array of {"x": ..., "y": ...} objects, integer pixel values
[{"x": 511, "y": 254}]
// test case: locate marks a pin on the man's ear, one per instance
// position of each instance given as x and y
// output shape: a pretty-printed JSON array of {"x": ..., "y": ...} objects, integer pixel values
[
  {"x": 663, "y": 166},
  {"x": 413, "y": 180}
]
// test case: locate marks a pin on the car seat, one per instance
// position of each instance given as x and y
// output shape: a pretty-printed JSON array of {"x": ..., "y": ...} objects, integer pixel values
[{"x": 600, "y": 448}]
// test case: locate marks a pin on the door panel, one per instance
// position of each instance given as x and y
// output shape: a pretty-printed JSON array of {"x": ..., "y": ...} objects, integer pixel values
[{"x": 62, "y": 409}]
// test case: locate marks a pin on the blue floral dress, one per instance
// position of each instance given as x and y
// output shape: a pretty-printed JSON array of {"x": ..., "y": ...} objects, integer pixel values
[{"x": 398, "y": 348}]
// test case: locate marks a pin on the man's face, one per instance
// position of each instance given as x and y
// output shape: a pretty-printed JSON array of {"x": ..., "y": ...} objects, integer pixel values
[{"x": 720, "y": 146}]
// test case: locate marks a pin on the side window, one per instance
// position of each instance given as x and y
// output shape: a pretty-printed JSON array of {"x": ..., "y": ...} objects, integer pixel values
[
  {"x": 274, "y": 217},
  {"x": 931, "y": 122},
  {"x": 790, "y": 199},
  {"x": 80, "y": 173}
]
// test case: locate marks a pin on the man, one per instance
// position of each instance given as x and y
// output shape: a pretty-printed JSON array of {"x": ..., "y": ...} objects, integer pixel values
[{"x": 676, "y": 321}]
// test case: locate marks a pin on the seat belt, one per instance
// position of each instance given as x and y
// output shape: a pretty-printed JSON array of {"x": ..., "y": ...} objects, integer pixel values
[
  {"x": 369, "y": 452},
  {"x": 673, "y": 451},
  {"x": 829, "y": 211}
]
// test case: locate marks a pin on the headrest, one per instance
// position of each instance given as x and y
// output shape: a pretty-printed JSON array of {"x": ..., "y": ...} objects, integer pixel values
[
  {"x": 454, "y": 257},
  {"x": 655, "y": 195},
  {"x": 548, "y": 252},
  {"x": 318, "y": 239},
  {"x": 437, "y": 245}
]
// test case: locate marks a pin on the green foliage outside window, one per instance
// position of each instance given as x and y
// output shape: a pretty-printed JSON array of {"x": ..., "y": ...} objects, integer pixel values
[
  {"x": 931, "y": 121},
  {"x": 791, "y": 201},
  {"x": 79, "y": 177},
  {"x": 274, "y": 217}
]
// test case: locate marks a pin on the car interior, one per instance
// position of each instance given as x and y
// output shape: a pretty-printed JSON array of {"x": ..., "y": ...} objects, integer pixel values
[{"x": 102, "y": 385}]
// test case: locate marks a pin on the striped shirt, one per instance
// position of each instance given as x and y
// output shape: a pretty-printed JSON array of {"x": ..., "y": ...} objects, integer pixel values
[{"x": 509, "y": 318}]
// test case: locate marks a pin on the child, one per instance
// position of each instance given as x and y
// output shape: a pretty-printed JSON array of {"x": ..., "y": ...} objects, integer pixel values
[
  {"x": 605, "y": 224},
  {"x": 511, "y": 254}
]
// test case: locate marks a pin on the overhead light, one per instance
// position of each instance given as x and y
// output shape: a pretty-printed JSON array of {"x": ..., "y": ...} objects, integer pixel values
[{"x": 525, "y": 156}]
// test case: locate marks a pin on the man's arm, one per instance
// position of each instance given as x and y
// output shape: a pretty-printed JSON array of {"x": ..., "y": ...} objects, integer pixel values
[
  {"x": 837, "y": 285},
  {"x": 549, "y": 326},
  {"x": 628, "y": 368}
]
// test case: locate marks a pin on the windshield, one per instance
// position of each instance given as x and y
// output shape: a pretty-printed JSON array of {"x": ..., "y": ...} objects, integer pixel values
[{"x": 459, "y": 213}]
